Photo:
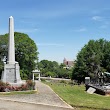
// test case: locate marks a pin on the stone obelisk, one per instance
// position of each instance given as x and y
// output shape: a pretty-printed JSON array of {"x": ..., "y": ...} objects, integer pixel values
[
  {"x": 11, "y": 73},
  {"x": 11, "y": 44}
]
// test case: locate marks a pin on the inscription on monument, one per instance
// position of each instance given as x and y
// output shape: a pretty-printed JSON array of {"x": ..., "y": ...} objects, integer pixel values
[{"x": 10, "y": 72}]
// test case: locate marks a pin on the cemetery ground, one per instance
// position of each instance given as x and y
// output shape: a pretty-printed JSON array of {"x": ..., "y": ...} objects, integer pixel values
[
  {"x": 76, "y": 96},
  {"x": 43, "y": 99}
]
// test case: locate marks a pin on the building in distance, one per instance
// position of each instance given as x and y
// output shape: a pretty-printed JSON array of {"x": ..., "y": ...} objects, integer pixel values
[{"x": 68, "y": 64}]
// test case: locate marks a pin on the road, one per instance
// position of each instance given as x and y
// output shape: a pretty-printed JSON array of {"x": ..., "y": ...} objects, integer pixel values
[{"x": 10, "y": 105}]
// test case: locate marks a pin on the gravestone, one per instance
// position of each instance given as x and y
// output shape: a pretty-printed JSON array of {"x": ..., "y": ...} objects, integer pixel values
[
  {"x": 87, "y": 80},
  {"x": 11, "y": 73},
  {"x": 91, "y": 90}
]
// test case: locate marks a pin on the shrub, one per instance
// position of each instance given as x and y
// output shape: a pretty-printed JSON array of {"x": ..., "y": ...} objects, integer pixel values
[
  {"x": 30, "y": 84},
  {"x": 43, "y": 80},
  {"x": 63, "y": 81},
  {"x": 6, "y": 87},
  {"x": 24, "y": 87}
]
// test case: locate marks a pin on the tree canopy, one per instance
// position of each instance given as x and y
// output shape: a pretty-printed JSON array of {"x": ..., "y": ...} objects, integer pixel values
[
  {"x": 52, "y": 68},
  {"x": 25, "y": 51},
  {"x": 93, "y": 58}
]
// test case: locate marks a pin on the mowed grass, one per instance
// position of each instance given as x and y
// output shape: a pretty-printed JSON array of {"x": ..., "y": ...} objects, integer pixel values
[
  {"x": 18, "y": 92},
  {"x": 77, "y": 97}
]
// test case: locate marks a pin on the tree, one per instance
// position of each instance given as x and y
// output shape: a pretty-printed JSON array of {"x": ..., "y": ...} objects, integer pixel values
[
  {"x": 52, "y": 68},
  {"x": 92, "y": 59},
  {"x": 62, "y": 65},
  {"x": 106, "y": 57},
  {"x": 48, "y": 66},
  {"x": 25, "y": 51},
  {"x": 49, "y": 74}
]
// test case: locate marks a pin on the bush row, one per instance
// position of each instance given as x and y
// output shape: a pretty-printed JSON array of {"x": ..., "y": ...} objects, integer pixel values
[{"x": 6, "y": 87}]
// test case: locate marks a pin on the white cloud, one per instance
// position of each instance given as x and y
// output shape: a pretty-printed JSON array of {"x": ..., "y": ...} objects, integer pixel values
[
  {"x": 97, "y": 18},
  {"x": 81, "y": 30},
  {"x": 50, "y": 44}
]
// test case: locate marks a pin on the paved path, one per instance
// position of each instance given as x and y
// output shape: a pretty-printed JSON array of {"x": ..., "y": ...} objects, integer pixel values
[
  {"x": 45, "y": 96},
  {"x": 10, "y": 105}
]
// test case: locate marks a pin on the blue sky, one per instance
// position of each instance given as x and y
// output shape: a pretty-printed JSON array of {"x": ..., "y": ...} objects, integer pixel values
[{"x": 60, "y": 28}]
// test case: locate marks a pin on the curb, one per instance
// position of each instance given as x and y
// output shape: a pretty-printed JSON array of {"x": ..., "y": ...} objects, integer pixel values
[{"x": 34, "y": 103}]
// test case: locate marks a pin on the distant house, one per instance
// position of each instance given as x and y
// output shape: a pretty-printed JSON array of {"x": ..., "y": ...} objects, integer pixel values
[{"x": 69, "y": 64}]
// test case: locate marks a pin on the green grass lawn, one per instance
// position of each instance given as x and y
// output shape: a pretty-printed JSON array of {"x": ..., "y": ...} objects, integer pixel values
[
  {"x": 77, "y": 97},
  {"x": 18, "y": 92}
]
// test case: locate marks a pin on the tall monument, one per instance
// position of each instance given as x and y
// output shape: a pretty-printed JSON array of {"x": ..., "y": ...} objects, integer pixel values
[
  {"x": 11, "y": 73},
  {"x": 11, "y": 45}
]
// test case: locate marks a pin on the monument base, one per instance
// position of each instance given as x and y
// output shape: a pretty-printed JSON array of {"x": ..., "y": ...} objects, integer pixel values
[{"x": 11, "y": 74}]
